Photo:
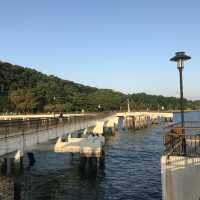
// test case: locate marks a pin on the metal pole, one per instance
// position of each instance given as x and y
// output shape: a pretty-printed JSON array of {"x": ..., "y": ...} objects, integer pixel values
[
  {"x": 181, "y": 97},
  {"x": 182, "y": 110}
]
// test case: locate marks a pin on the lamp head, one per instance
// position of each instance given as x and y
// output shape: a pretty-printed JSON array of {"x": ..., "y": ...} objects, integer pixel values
[{"x": 180, "y": 57}]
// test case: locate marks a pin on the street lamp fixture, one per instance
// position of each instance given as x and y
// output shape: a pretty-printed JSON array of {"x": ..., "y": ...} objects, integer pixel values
[{"x": 180, "y": 58}]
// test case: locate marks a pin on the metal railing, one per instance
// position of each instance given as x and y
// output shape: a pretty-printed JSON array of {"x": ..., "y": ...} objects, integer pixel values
[
  {"x": 180, "y": 141},
  {"x": 16, "y": 128}
]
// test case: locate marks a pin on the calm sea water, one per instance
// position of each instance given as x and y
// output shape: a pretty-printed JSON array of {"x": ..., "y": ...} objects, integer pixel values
[{"x": 132, "y": 170}]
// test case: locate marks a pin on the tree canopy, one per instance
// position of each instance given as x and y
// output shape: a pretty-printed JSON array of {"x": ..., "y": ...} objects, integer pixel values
[{"x": 25, "y": 90}]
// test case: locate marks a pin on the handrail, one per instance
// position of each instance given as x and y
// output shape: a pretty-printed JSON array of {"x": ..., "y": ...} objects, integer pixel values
[
  {"x": 175, "y": 136},
  {"x": 26, "y": 127}
]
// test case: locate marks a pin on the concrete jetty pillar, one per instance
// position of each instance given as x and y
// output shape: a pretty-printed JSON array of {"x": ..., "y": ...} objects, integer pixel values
[
  {"x": 83, "y": 163},
  {"x": 1, "y": 165},
  {"x": 123, "y": 123},
  {"x": 18, "y": 159},
  {"x": 11, "y": 164},
  {"x": 98, "y": 163},
  {"x": 102, "y": 163},
  {"x": 133, "y": 122},
  {"x": 92, "y": 161},
  {"x": 129, "y": 122},
  {"x": 120, "y": 123},
  {"x": 148, "y": 121},
  {"x": 17, "y": 191},
  {"x": 7, "y": 166},
  {"x": 31, "y": 158},
  {"x": 18, "y": 164},
  {"x": 91, "y": 165}
]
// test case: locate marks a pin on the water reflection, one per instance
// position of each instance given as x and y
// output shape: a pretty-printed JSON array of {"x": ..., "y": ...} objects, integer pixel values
[
  {"x": 130, "y": 170},
  {"x": 65, "y": 178}
]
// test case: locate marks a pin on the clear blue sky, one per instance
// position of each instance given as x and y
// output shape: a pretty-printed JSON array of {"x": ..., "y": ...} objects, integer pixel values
[{"x": 120, "y": 44}]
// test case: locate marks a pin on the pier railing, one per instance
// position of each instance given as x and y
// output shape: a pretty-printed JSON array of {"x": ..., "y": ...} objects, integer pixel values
[
  {"x": 15, "y": 128},
  {"x": 180, "y": 141}
]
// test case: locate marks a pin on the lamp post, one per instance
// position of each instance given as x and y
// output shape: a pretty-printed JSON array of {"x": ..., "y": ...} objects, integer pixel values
[{"x": 179, "y": 58}]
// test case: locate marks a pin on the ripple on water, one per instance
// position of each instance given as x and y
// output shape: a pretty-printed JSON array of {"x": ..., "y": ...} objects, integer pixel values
[{"x": 132, "y": 171}]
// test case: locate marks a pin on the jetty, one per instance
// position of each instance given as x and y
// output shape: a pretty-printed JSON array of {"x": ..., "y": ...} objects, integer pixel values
[
  {"x": 138, "y": 120},
  {"x": 90, "y": 144},
  {"x": 22, "y": 135},
  {"x": 18, "y": 138}
]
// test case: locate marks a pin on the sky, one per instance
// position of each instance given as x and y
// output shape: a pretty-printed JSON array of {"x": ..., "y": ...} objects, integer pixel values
[{"x": 123, "y": 45}]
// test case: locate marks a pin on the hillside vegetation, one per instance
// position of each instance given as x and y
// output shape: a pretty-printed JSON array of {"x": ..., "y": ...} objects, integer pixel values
[{"x": 27, "y": 90}]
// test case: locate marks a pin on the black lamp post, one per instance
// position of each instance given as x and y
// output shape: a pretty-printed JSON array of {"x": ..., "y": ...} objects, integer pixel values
[{"x": 179, "y": 58}]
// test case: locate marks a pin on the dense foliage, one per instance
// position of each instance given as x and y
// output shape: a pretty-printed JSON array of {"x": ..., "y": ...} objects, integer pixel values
[{"x": 25, "y": 90}]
